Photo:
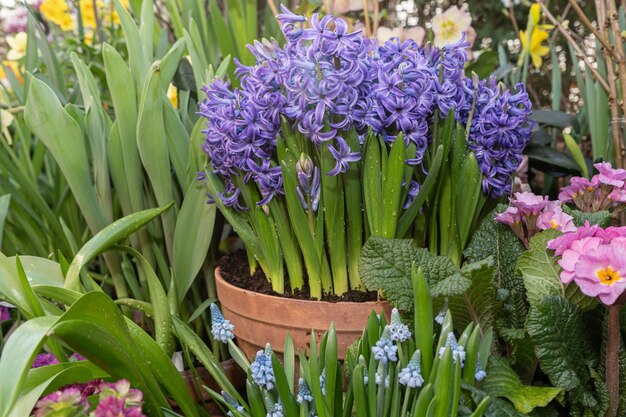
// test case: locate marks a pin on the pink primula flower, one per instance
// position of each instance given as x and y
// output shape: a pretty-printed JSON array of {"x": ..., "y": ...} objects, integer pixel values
[
  {"x": 528, "y": 203},
  {"x": 553, "y": 217},
  {"x": 571, "y": 256},
  {"x": 610, "y": 176},
  {"x": 564, "y": 242},
  {"x": 510, "y": 216},
  {"x": 601, "y": 272},
  {"x": 68, "y": 400}
]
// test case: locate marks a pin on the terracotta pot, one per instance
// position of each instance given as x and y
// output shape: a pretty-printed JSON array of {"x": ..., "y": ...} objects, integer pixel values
[{"x": 261, "y": 318}]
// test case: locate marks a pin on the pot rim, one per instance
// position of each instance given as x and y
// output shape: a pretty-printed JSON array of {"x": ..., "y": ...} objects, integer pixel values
[{"x": 293, "y": 301}]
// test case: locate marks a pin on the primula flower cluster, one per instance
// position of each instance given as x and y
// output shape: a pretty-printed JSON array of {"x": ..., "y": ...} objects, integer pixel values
[
  {"x": 528, "y": 214},
  {"x": 331, "y": 84},
  {"x": 595, "y": 259},
  {"x": 604, "y": 191},
  {"x": 114, "y": 400}
]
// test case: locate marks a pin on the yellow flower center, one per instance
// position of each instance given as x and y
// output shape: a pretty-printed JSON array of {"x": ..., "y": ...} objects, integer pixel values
[
  {"x": 449, "y": 29},
  {"x": 608, "y": 276},
  {"x": 553, "y": 224}
]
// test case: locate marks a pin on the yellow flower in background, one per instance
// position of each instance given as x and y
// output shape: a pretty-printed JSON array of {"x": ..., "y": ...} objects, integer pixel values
[
  {"x": 12, "y": 66},
  {"x": 172, "y": 95},
  {"x": 17, "y": 46},
  {"x": 535, "y": 13},
  {"x": 87, "y": 13},
  {"x": 537, "y": 49},
  {"x": 57, "y": 12}
]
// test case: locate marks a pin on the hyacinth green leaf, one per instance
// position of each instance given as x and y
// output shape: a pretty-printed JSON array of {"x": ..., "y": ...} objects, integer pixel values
[
  {"x": 17, "y": 355},
  {"x": 372, "y": 191},
  {"x": 194, "y": 343},
  {"x": 5, "y": 201},
  {"x": 289, "y": 403},
  {"x": 110, "y": 235},
  {"x": 177, "y": 142},
  {"x": 146, "y": 28},
  {"x": 42, "y": 381},
  {"x": 170, "y": 62},
  {"x": 152, "y": 145},
  {"x": 468, "y": 195},
  {"x": 41, "y": 271},
  {"x": 392, "y": 188},
  {"x": 192, "y": 237},
  {"x": 407, "y": 219},
  {"x": 124, "y": 159},
  {"x": 574, "y": 150},
  {"x": 139, "y": 63},
  {"x": 11, "y": 288},
  {"x": 64, "y": 139},
  {"x": 502, "y": 381},
  {"x": 225, "y": 36},
  {"x": 556, "y": 328}
]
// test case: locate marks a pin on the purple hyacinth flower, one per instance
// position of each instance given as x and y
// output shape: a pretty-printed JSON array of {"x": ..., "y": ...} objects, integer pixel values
[
  {"x": 5, "y": 314},
  {"x": 342, "y": 156},
  {"x": 308, "y": 182}
]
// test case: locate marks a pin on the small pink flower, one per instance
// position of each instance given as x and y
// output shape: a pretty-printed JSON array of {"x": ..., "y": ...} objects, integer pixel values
[
  {"x": 618, "y": 195},
  {"x": 116, "y": 407},
  {"x": 529, "y": 204},
  {"x": 601, "y": 272},
  {"x": 564, "y": 242},
  {"x": 553, "y": 217},
  {"x": 510, "y": 216},
  {"x": 610, "y": 176},
  {"x": 5, "y": 314},
  {"x": 69, "y": 400},
  {"x": 571, "y": 255},
  {"x": 121, "y": 389},
  {"x": 44, "y": 359}
]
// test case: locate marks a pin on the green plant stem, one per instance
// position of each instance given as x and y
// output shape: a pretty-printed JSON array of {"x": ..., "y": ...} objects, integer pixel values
[
  {"x": 405, "y": 403},
  {"x": 612, "y": 360}
]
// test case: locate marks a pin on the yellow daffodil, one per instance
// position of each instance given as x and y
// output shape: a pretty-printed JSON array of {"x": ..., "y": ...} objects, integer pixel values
[
  {"x": 172, "y": 95},
  {"x": 450, "y": 25},
  {"x": 535, "y": 13},
  {"x": 537, "y": 49},
  {"x": 87, "y": 13},
  {"x": 17, "y": 46},
  {"x": 12, "y": 66},
  {"x": 57, "y": 12}
]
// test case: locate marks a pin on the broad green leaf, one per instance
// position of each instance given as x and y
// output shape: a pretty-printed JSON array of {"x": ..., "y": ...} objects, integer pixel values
[
  {"x": 386, "y": 264},
  {"x": 64, "y": 138},
  {"x": 5, "y": 201},
  {"x": 541, "y": 273},
  {"x": 110, "y": 235},
  {"x": 152, "y": 145},
  {"x": 601, "y": 218},
  {"x": 192, "y": 237},
  {"x": 41, "y": 271},
  {"x": 502, "y": 381},
  {"x": 555, "y": 326}
]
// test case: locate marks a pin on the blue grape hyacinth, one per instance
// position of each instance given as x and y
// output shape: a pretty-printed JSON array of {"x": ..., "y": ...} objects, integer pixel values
[
  {"x": 399, "y": 331},
  {"x": 221, "y": 328},
  {"x": 261, "y": 368},
  {"x": 411, "y": 375},
  {"x": 385, "y": 350},
  {"x": 458, "y": 351}
]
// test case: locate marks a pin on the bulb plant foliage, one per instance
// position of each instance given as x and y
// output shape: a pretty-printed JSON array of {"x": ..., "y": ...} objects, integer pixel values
[
  {"x": 392, "y": 370},
  {"x": 332, "y": 139}
]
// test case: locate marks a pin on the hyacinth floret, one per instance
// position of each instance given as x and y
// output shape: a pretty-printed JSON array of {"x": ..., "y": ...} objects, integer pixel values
[
  {"x": 221, "y": 328},
  {"x": 304, "y": 392},
  {"x": 261, "y": 368},
  {"x": 411, "y": 375},
  {"x": 276, "y": 411},
  {"x": 323, "y": 381},
  {"x": 458, "y": 351},
  {"x": 500, "y": 130},
  {"x": 308, "y": 187},
  {"x": 399, "y": 331},
  {"x": 385, "y": 350}
]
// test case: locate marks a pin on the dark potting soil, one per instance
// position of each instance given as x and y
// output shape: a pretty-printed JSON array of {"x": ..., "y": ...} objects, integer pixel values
[{"x": 236, "y": 271}]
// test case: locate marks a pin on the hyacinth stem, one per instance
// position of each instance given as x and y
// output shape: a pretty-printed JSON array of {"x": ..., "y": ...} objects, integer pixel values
[{"x": 612, "y": 360}]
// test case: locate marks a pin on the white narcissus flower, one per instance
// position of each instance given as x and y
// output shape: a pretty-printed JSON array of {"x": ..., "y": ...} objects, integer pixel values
[
  {"x": 344, "y": 6},
  {"x": 416, "y": 33},
  {"x": 17, "y": 45},
  {"x": 450, "y": 25}
]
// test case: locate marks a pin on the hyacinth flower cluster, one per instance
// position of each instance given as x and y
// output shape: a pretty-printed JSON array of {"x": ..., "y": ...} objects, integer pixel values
[
  {"x": 111, "y": 400},
  {"x": 529, "y": 214},
  {"x": 604, "y": 191},
  {"x": 331, "y": 138}
]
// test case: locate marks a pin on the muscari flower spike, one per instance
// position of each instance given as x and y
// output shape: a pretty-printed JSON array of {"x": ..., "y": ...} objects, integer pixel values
[
  {"x": 385, "y": 350},
  {"x": 480, "y": 372},
  {"x": 365, "y": 374},
  {"x": 442, "y": 313},
  {"x": 261, "y": 368},
  {"x": 232, "y": 402},
  {"x": 304, "y": 392},
  {"x": 458, "y": 352},
  {"x": 399, "y": 331},
  {"x": 221, "y": 328},
  {"x": 323, "y": 381},
  {"x": 275, "y": 411},
  {"x": 411, "y": 376},
  {"x": 379, "y": 376}
]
